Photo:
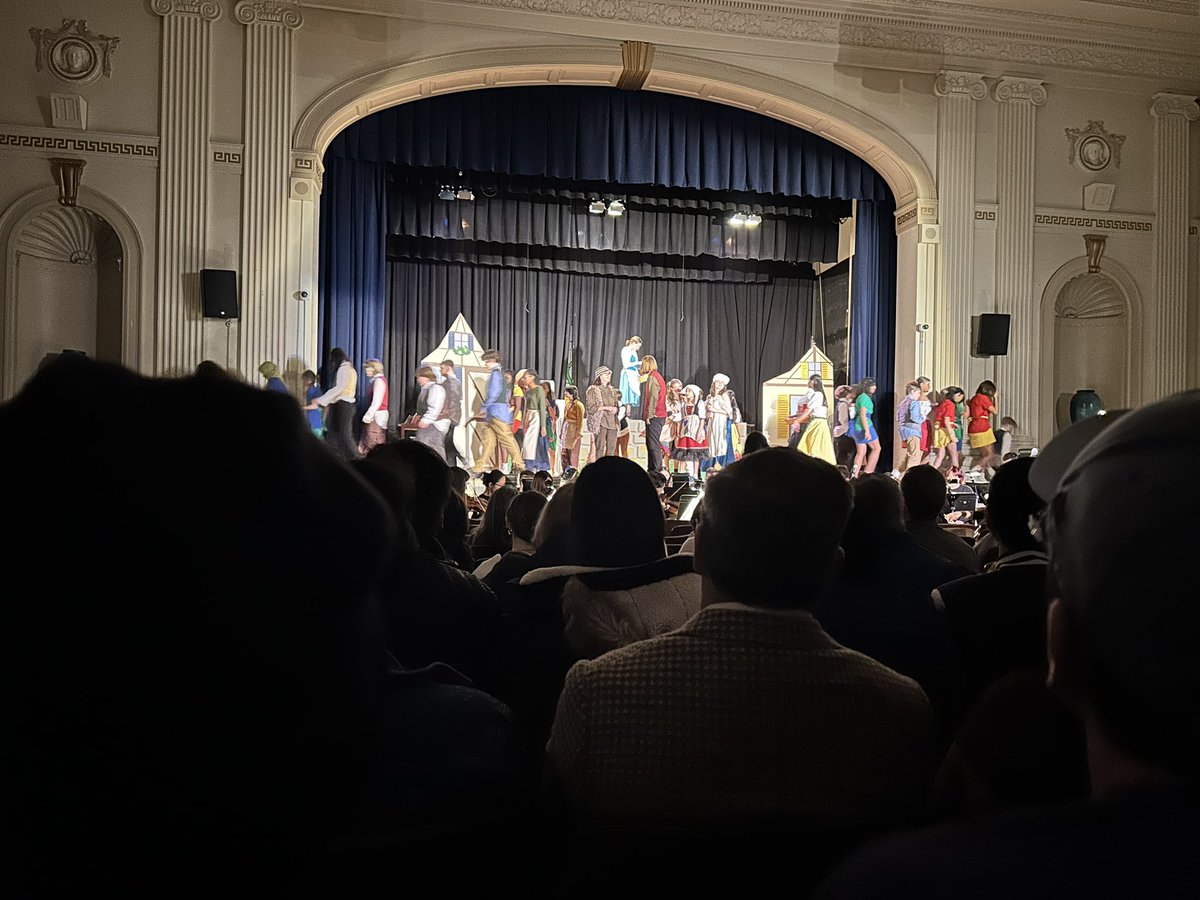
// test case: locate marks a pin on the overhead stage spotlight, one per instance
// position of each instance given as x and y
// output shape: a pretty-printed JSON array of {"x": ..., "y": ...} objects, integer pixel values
[
  {"x": 737, "y": 220},
  {"x": 446, "y": 193},
  {"x": 596, "y": 207},
  {"x": 616, "y": 208},
  {"x": 753, "y": 220},
  {"x": 465, "y": 193}
]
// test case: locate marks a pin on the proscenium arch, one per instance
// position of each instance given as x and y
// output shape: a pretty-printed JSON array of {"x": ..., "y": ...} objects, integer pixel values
[
  {"x": 13, "y": 222},
  {"x": 896, "y": 160}
]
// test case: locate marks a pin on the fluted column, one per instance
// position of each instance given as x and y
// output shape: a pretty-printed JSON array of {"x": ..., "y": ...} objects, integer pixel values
[
  {"x": 958, "y": 92},
  {"x": 270, "y": 36},
  {"x": 184, "y": 118},
  {"x": 1172, "y": 113},
  {"x": 1017, "y": 373}
]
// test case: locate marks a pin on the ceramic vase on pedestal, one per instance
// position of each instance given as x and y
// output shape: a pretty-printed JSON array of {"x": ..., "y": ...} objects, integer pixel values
[{"x": 1085, "y": 404}]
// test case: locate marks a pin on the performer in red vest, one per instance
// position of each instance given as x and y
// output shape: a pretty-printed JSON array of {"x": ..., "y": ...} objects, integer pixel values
[{"x": 654, "y": 411}]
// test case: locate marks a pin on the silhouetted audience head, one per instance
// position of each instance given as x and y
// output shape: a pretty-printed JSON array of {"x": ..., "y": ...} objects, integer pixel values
[
  {"x": 554, "y": 536},
  {"x": 430, "y": 478},
  {"x": 616, "y": 514},
  {"x": 492, "y": 530},
  {"x": 209, "y": 369},
  {"x": 749, "y": 536},
  {"x": 755, "y": 441},
  {"x": 523, "y": 514},
  {"x": 878, "y": 511},
  {"x": 542, "y": 482},
  {"x": 1010, "y": 504},
  {"x": 188, "y": 687},
  {"x": 394, "y": 485},
  {"x": 1125, "y": 625},
  {"x": 924, "y": 491},
  {"x": 459, "y": 479}
]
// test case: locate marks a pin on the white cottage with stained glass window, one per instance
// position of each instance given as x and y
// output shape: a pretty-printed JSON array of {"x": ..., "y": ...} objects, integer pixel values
[{"x": 461, "y": 345}]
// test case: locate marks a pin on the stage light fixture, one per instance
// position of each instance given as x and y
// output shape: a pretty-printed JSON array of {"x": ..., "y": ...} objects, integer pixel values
[
  {"x": 446, "y": 193},
  {"x": 465, "y": 193},
  {"x": 753, "y": 220},
  {"x": 737, "y": 220},
  {"x": 616, "y": 208},
  {"x": 596, "y": 207}
]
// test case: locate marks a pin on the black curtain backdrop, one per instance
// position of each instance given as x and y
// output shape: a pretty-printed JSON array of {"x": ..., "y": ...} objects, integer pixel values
[{"x": 694, "y": 329}]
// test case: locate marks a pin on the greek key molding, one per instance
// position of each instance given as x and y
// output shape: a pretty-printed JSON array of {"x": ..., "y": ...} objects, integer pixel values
[
  {"x": 227, "y": 155},
  {"x": 1167, "y": 105},
  {"x": 1016, "y": 90},
  {"x": 205, "y": 9},
  {"x": 969, "y": 83},
  {"x": 269, "y": 12},
  {"x": 43, "y": 141},
  {"x": 904, "y": 218},
  {"x": 1049, "y": 217},
  {"x": 1159, "y": 53}
]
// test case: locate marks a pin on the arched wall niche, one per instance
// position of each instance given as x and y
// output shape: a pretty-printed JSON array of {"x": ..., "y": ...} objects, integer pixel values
[
  {"x": 98, "y": 233},
  {"x": 1091, "y": 327}
]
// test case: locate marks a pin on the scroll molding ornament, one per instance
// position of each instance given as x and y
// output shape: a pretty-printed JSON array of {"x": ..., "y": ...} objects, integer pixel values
[
  {"x": 269, "y": 12},
  {"x": 209, "y": 10},
  {"x": 1166, "y": 105},
  {"x": 72, "y": 53},
  {"x": 969, "y": 83},
  {"x": 1012, "y": 90}
]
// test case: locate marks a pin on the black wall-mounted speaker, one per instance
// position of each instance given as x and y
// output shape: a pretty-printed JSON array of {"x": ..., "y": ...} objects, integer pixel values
[
  {"x": 219, "y": 293},
  {"x": 991, "y": 336}
]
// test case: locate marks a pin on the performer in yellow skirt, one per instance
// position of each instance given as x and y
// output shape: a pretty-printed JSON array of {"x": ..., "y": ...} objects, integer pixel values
[{"x": 817, "y": 440}]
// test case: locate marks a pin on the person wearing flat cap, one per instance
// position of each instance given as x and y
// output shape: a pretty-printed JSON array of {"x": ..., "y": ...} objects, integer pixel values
[{"x": 602, "y": 401}]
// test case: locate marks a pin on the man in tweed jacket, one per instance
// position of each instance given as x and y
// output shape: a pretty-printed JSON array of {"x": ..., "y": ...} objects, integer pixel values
[{"x": 750, "y": 709}]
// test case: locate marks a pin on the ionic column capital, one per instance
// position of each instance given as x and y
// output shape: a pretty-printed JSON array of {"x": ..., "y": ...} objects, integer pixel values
[
  {"x": 955, "y": 83},
  {"x": 1019, "y": 90}
]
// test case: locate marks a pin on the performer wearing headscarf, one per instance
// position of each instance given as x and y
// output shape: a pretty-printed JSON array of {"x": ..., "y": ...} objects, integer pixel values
[
  {"x": 691, "y": 446},
  {"x": 631, "y": 387},
  {"x": 270, "y": 371},
  {"x": 723, "y": 413},
  {"x": 602, "y": 401}
]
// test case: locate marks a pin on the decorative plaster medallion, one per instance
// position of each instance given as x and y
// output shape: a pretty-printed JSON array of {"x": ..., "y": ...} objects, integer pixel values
[
  {"x": 1093, "y": 149},
  {"x": 269, "y": 12},
  {"x": 969, "y": 83},
  {"x": 1175, "y": 105},
  {"x": 72, "y": 53},
  {"x": 205, "y": 9},
  {"x": 1011, "y": 90}
]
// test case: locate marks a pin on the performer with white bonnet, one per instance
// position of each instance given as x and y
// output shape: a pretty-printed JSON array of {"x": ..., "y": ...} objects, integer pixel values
[
  {"x": 691, "y": 444},
  {"x": 722, "y": 413}
]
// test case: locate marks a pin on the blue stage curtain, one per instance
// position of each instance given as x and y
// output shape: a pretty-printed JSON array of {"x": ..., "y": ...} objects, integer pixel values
[
  {"x": 873, "y": 312},
  {"x": 353, "y": 264},
  {"x": 578, "y": 134}
]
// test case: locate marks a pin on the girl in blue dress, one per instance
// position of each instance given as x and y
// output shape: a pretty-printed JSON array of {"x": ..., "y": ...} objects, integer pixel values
[
  {"x": 631, "y": 387},
  {"x": 862, "y": 429}
]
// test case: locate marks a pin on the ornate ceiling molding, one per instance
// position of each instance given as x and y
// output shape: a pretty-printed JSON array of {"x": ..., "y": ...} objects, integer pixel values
[
  {"x": 999, "y": 38},
  {"x": 967, "y": 83},
  {"x": 1166, "y": 105},
  {"x": 50, "y": 141},
  {"x": 269, "y": 12},
  {"x": 1014, "y": 90},
  {"x": 205, "y": 9},
  {"x": 1178, "y": 7}
]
